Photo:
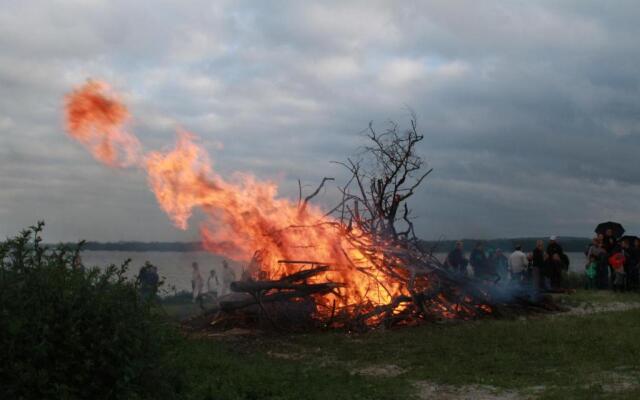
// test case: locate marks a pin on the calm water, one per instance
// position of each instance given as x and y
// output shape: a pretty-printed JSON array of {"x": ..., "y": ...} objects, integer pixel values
[{"x": 175, "y": 267}]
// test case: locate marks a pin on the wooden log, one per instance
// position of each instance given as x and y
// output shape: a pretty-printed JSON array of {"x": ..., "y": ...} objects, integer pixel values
[
  {"x": 237, "y": 304},
  {"x": 306, "y": 274},
  {"x": 301, "y": 262},
  {"x": 259, "y": 286}
]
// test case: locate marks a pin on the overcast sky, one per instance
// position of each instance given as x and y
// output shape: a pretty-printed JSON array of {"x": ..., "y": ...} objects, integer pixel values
[{"x": 530, "y": 110}]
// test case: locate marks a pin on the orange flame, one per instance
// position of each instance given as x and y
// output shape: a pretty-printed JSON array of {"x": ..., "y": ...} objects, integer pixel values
[
  {"x": 95, "y": 117},
  {"x": 243, "y": 215},
  {"x": 247, "y": 215}
]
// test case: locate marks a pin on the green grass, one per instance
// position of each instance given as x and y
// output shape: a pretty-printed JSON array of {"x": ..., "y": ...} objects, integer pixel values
[{"x": 567, "y": 357}]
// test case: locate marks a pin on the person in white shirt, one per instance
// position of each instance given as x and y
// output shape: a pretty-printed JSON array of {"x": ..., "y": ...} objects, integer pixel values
[
  {"x": 227, "y": 277},
  {"x": 212, "y": 284},
  {"x": 518, "y": 264}
]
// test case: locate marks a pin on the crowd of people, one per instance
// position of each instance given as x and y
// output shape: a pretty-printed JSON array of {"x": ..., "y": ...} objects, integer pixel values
[
  {"x": 612, "y": 263},
  {"x": 148, "y": 281},
  {"x": 543, "y": 267},
  {"x": 214, "y": 286}
]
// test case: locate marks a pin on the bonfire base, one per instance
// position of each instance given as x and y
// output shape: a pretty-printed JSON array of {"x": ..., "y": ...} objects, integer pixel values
[{"x": 284, "y": 312}]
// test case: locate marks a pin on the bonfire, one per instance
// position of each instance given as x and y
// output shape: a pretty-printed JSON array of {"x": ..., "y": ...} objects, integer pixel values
[{"x": 356, "y": 266}]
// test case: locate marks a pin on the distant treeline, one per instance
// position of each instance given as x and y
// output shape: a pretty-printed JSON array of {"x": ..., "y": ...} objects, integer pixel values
[
  {"x": 143, "y": 246},
  {"x": 569, "y": 244}
]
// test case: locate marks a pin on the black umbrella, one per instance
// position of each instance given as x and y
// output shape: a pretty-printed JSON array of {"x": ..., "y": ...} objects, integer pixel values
[
  {"x": 617, "y": 229},
  {"x": 631, "y": 238}
]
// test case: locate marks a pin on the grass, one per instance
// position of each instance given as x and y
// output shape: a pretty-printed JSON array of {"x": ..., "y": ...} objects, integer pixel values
[{"x": 566, "y": 357}]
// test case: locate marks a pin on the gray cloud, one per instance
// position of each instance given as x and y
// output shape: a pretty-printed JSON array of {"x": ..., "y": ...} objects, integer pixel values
[{"x": 530, "y": 110}]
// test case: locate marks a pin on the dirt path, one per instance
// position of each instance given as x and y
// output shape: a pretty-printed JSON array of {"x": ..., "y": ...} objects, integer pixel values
[{"x": 594, "y": 308}]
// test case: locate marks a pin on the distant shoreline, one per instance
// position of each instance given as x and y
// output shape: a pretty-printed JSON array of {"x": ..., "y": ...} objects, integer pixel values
[{"x": 570, "y": 244}]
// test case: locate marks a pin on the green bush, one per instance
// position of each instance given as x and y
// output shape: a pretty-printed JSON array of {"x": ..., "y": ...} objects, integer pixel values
[{"x": 67, "y": 332}]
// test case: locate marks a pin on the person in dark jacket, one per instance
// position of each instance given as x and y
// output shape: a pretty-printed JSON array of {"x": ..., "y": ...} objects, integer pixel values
[
  {"x": 148, "y": 280},
  {"x": 629, "y": 262},
  {"x": 455, "y": 259},
  {"x": 538, "y": 271},
  {"x": 556, "y": 266},
  {"x": 554, "y": 247},
  {"x": 634, "y": 266},
  {"x": 610, "y": 242},
  {"x": 479, "y": 262}
]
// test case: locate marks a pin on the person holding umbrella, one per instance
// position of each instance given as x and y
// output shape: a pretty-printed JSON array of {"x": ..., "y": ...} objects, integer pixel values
[{"x": 611, "y": 231}]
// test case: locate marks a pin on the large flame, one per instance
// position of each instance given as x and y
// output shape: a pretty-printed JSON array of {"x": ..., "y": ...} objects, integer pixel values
[
  {"x": 243, "y": 215},
  {"x": 95, "y": 117}
]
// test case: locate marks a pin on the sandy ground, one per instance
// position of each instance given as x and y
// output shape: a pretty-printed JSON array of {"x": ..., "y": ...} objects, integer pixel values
[
  {"x": 591, "y": 308},
  {"x": 433, "y": 391}
]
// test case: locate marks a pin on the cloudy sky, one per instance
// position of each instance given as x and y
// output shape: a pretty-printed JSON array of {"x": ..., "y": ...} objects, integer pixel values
[{"x": 530, "y": 110}]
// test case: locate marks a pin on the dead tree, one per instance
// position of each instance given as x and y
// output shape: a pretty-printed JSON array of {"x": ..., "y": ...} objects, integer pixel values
[{"x": 383, "y": 177}]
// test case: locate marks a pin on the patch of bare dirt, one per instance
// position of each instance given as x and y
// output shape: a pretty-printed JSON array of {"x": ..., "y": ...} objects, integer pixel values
[
  {"x": 285, "y": 356},
  {"x": 591, "y": 308},
  {"x": 433, "y": 391},
  {"x": 618, "y": 381},
  {"x": 384, "y": 370}
]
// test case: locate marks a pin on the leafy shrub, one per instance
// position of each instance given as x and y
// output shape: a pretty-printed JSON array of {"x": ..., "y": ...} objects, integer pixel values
[{"x": 67, "y": 332}]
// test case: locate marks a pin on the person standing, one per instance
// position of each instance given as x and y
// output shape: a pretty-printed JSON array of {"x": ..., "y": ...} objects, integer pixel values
[
  {"x": 617, "y": 261},
  {"x": 196, "y": 282},
  {"x": 634, "y": 266},
  {"x": 558, "y": 262},
  {"x": 500, "y": 264},
  {"x": 629, "y": 261},
  {"x": 556, "y": 267},
  {"x": 590, "y": 272},
  {"x": 591, "y": 248},
  {"x": 212, "y": 284},
  {"x": 554, "y": 247},
  {"x": 609, "y": 241},
  {"x": 602, "y": 270},
  {"x": 455, "y": 259},
  {"x": 537, "y": 268},
  {"x": 478, "y": 260},
  {"x": 518, "y": 265},
  {"x": 148, "y": 280},
  {"x": 227, "y": 277}
]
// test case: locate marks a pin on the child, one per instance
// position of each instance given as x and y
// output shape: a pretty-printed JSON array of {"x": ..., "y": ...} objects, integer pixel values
[
  {"x": 617, "y": 264},
  {"x": 591, "y": 272}
]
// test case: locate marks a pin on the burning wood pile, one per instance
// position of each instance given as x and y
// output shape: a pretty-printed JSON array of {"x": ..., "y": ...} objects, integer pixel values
[
  {"x": 375, "y": 274},
  {"x": 356, "y": 266}
]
